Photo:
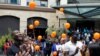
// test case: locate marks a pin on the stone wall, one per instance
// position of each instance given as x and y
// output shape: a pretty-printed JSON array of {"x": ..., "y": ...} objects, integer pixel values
[{"x": 25, "y": 14}]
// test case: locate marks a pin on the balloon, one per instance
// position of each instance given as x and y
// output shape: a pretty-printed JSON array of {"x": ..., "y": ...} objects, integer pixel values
[
  {"x": 39, "y": 37},
  {"x": 53, "y": 34},
  {"x": 96, "y": 36},
  {"x": 36, "y": 23},
  {"x": 54, "y": 53},
  {"x": 63, "y": 35},
  {"x": 32, "y": 5},
  {"x": 31, "y": 26},
  {"x": 67, "y": 25},
  {"x": 61, "y": 9},
  {"x": 62, "y": 39},
  {"x": 37, "y": 48}
]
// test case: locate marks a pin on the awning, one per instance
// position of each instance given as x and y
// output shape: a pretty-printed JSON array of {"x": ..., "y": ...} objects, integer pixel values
[{"x": 81, "y": 10}]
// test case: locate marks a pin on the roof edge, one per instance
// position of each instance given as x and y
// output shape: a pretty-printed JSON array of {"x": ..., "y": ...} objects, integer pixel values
[{"x": 26, "y": 8}]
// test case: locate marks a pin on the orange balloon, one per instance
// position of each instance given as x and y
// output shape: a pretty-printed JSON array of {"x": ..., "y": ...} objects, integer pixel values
[
  {"x": 62, "y": 39},
  {"x": 63, "y": 35},
  {"x": 39, "y": 37},
  {"x": 96, "y": 36},
  {"x": 67, "y": 25},
  {"x": 61, "y": 9},
  {"x": 37, "y": 48},
  {"x": 53, "y": 34},
  {"x": 36, "y": 23},
  {"x": 54, "y": 53},
  {"x": 31, "y": 26},
  {"x": 32, "y": 5}
]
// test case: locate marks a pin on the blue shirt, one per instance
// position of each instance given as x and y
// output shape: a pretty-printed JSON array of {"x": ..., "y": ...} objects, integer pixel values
[{"x": 53, "y": 47}]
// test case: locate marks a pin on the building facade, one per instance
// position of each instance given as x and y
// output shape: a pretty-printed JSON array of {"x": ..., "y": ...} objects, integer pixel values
[
  {"x": 16, "y": 15},
  {"x": 84, "y": 14},
  {"x": 20, "y": 12}
]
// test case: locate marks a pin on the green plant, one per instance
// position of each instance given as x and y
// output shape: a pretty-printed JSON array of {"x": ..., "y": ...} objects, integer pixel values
[
  {"x": 50, "y": 29},
  {"x": 59, "y": 31},
  {"x": 4, "y": 37}
]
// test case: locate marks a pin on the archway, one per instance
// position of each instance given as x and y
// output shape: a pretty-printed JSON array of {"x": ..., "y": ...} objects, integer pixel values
[
  {"x": 7, "y": 23},
  {"x": 40, "y": 30}
]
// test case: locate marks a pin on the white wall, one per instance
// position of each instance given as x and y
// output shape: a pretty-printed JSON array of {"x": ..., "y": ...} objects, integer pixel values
[
  {"x": 51, "y": 3},
  {"x": 63, "y": 2},
  {"x": 23, "y": 2},
  {"x": 2, "y": 1}
]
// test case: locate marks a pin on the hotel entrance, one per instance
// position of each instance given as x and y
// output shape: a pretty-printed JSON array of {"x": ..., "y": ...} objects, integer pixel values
[{"x": 89, "y": 24}]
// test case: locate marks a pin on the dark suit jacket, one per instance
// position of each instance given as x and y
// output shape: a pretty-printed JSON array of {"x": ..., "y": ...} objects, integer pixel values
[
  {"x": 12, "y": 50},
  {"x": 94, "y": 49}
]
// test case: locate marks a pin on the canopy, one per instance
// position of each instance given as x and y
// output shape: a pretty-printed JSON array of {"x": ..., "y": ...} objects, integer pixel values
[{"x": 81, "y": 10}]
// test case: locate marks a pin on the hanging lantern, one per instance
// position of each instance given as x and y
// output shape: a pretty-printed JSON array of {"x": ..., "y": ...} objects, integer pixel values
[
  {"x": 36, "y": 23},
  {"x": 31, "y": 26},
  {"x": 39, "y": 37},
  {"x": 61, "y": 9},
  {"x": 37, "y": 48},
  {"x": 54, "y": 53},
  {"x": 67, "y": 25},
  {"x": 32, "y": 5},
  {"x": 53, "y": 34},
  {"x": 63, "y": 35},
  {"x": 96, "y": 36}
]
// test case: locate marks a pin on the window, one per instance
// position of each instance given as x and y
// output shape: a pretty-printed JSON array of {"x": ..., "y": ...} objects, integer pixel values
[
  {"x": 72, "y": 1},
  {"x": 13, "y": 1},
  {"x": 9, "y": 1},
  {"x": 3, "y": 1},
  {"x": 39, "y": 2},
  {"x": 44, "y": 3}
]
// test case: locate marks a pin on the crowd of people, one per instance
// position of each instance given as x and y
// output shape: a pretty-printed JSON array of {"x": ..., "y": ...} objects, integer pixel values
[{"x": 24, "y": 45}]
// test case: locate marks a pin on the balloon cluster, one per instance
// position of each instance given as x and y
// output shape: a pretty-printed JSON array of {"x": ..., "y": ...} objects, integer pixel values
[
  {"x": 32, "y": 26},
  {"x": 63, "y": 35},
  {"x": 36, "y": 23}
]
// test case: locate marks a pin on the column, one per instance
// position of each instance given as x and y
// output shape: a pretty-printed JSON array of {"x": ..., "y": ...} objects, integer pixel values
[{"x": 23, "y": 24}]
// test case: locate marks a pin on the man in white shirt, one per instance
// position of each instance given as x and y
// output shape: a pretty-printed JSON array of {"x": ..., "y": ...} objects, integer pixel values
[{"x": 73, "y": 47}]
